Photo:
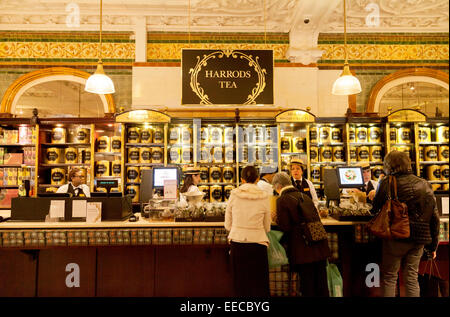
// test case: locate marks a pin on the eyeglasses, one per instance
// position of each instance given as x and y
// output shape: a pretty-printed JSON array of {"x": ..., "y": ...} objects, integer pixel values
[{"x": 80, "y": 176}]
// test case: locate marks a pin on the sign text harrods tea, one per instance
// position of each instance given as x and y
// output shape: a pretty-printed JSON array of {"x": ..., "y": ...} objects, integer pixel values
[{"x": 243, "y": 77}]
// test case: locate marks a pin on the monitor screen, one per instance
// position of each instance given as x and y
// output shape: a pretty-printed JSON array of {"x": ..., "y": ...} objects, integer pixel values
[
  {"x": 350, "y": 176},
  {"x": 162, "y": 173},
  {"x": 107, "y": 183}
]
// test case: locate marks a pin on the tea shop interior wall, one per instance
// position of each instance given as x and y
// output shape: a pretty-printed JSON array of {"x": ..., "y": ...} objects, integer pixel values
[{"x": 294, "y": 87}]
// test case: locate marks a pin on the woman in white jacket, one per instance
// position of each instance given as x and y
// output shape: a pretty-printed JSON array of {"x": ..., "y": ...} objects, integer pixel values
[{"x": 248, "y": 219}]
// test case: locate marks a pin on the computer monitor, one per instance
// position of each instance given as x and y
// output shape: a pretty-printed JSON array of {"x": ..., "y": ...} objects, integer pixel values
[
  {"x": 160, "y": 174},
  {"x": 350, "y": 177},
  {"x": 107, "y": 184}
]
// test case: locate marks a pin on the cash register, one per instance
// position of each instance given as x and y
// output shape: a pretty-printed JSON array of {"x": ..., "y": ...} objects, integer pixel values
[{"x": 114, "y": 206}]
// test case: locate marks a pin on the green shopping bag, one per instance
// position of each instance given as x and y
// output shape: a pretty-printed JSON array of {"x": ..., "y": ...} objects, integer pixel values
[
  {"x": 335, "y": 283},
  {"x": 276, "y": 253}
]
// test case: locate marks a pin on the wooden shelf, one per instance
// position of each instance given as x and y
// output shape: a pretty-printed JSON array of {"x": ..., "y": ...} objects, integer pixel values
[
  {"x": 433, "y": 143},
  {"x": 366, "y": 144},
  {"x": 144, "y": 145},
  {"x": 66, "y": 165},
  {"x": 108, "y": 153},
  {"x": 18, "y": 144},
  {"x": 327, "y": 144},
  {"x": 66, "y": 144},
  {"x": 15, "y": 165},
  {"x": 146, "y": 164}
]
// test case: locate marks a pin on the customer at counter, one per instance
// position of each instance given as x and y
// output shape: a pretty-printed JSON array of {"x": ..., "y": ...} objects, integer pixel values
[
  {"x": 247, "y": 218},
  {"x": 370, "y": 186},
  {"x": 265, "y": 180},
  {"x": 418, "y": 195},
  {"x": 191, "y": 180},
  {"x": 302, "y": 184},
  {"x": 308, "y": 259},
  {"x": 76, "y": 186}
]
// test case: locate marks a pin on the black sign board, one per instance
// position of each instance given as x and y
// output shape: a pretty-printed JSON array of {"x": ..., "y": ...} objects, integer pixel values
[{"x": 221, "y": 77}]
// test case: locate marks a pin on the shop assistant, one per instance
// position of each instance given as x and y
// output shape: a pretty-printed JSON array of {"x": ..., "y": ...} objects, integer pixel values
[
  {"x": 298, "y": 181},
  {"x": 192, "y": 178},
  {"x": 370, "y": 186},
  {"x": 76, "y": 186}
]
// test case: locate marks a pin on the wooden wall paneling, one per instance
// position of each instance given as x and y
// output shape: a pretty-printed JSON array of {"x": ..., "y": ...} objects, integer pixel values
[
  {"x": 52, "y": 272},
  {"x": 125, "y": 271},
  {"x": 193, "y": 271},
  {"x": 18, "y": 273}
]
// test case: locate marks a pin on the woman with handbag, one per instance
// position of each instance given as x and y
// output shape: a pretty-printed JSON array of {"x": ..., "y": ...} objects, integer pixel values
[
  {"x": 248, "y": 219},
  {"x": 423, "y": 216},
  {"x": 307, "y": 244}
]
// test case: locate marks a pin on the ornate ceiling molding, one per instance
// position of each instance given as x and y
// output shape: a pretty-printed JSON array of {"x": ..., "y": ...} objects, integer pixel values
[{"x": 228, "y": 15}]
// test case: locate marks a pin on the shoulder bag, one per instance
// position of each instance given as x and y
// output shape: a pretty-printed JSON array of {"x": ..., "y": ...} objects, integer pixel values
[
  {"x": 392, "y": 222},
  {"x": 312, "y": 231}
]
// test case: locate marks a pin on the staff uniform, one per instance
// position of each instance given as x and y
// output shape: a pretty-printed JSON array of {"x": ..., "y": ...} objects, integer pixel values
[
  {"x": 79, "y": 191},
  {"x": 306, "y": 186},
  {"x": 191, "y": 189}
]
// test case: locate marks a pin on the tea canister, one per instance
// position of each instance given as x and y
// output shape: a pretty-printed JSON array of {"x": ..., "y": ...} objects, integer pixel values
[
  {"x": 116, "y": 144},
  {"x": 59, "y": 135},
  {"x": 103, "y": 144},
  {"x": 361, "y": 134},
  {"x": 133, "y": 135}
]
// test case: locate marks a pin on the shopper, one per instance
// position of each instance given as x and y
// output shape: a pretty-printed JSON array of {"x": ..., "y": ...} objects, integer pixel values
[
  {"x": 424, "y": 224},
  {"x": 247, "y": 219},
  {"x": 305, "y": 186},
  {"x": 265, "y": 180},
  {"x": 308, "y": 259},
  {"x": 76, "y": 186},
  {"x": 191, "y": 180}
]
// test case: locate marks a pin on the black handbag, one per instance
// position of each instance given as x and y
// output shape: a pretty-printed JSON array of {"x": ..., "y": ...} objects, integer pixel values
[
  {"x": 314, "y": 231},
  {"x": 311, "y": 226}
]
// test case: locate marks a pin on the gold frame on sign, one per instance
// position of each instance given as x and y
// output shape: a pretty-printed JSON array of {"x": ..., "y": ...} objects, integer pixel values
[{"x": 256, "y": 91}]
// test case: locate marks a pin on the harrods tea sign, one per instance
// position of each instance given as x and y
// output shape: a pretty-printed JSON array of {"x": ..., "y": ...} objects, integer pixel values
[{"x": 221, "y": 77}]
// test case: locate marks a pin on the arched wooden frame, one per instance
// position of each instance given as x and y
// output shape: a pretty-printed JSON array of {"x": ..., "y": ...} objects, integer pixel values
[
  {"x": 427, "y": 75},
  {"x": 23, "y": 83}
]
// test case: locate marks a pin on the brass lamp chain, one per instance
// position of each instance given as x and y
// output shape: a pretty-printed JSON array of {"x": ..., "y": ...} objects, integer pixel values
[
  {"x": 265, "y": 26},
  {"x": 189, "y": 23},
  {"x": 345, "y": 34},
  {"x": 100, "y": 48}
]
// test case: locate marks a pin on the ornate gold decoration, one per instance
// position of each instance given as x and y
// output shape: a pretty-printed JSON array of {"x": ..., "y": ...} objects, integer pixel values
[
  {"x": 199, "y": 91},
  {"x": 295, "y": 116},
  {"x": 407, "y": 115},
  {"x": 139, "y": 116}
]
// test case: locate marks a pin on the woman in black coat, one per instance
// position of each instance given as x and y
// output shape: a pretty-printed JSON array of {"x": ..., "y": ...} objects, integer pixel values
[
  {"x": 309, "y": 260},
  {"x": 423, "y": 215}
]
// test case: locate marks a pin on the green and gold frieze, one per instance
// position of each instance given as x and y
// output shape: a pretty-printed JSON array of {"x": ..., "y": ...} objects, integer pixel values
[{"x": 80, "y": 48}]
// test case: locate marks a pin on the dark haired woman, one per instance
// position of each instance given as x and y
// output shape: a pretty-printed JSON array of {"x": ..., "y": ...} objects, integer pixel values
[
  {"x": 192, "y": 178},
  {"x": 424, "y": 225},
  {"x": 248, "y": 219}
]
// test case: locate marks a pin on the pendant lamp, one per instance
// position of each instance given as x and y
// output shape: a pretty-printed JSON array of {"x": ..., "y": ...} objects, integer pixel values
[
  {"x": 99, "y": 83},
  {"x": 346, "y": 84}
]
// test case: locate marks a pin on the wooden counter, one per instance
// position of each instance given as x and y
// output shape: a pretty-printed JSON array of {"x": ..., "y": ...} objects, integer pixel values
[{"x": 141, "y": 223}]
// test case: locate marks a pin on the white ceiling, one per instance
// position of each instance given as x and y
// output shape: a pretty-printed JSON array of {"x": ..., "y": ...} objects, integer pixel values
[{"x": 227, "y": 15}]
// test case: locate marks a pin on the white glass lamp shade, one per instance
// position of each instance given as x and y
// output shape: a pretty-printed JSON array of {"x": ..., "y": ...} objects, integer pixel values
[
  {"x": 346, "y": 84},
  {"x": 99, "y": 83}
]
